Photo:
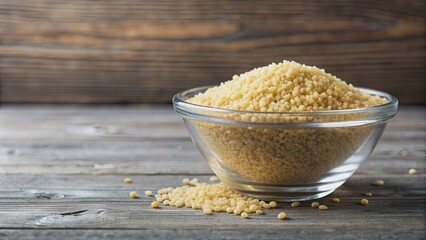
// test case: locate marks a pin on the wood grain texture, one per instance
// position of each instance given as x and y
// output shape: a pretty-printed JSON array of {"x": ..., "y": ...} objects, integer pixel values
[
  {"x": 160, "y": 234},
  {"x": 57, "y": 183},
  {"x": 134, "y": 214},
  {"x": 145, "y": 51}
]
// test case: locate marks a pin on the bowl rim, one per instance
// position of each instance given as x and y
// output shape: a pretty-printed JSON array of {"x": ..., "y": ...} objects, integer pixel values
[{"x": 381, "y": 112}]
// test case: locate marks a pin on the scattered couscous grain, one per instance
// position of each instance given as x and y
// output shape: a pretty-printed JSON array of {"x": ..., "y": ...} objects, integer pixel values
[
  {"x": 155, "y": 204},
  {"x": 282, "y": 215},
  {"x": 179, "y": 204},
  {"x": 273, "y": 204},
  {"x": 336, "y": 200},
  {"x": 322, "y": 207},
  {"x": 368, "y": 194},
  {"x": 412, "y": 171},
  {"x": 364, "y": 201},
  {"x": 315, "y": 204},
  {"x": 244, "y": 215},
  {"x": 213, "y": 179},
  {"x": 185, "y": 181},
  {"x": 127, "y": 180},
  {"x": 378, "y": 183},
  {"x": 295, "y": 204},
  {"x": 259, "y": 212},
  {"x": 253, "y": 208},
  {"x": 262, "y": 154},
  {"x": 207, "y": 211},
  {"x": 267, "y": 206},
  {"x": 148, "y": 193},
  {"x": 133, "y": 194},
  {"x": 217, "y": 209},
  {"x": 193, "y": 181}
]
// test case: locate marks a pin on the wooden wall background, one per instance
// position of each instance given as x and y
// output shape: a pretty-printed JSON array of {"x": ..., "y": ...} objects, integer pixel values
[{"x": 134, "y": 51}]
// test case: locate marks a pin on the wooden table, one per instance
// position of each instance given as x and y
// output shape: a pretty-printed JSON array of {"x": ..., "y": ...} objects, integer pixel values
[{"x": 62, "y": 170}]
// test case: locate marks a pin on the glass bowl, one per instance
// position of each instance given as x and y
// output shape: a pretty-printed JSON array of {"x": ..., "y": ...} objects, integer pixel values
[{"x": 286, "y": 156}]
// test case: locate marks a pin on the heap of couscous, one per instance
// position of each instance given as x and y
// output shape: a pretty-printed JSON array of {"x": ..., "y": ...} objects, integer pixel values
[
  {"x": 280, "y": 155},
  {"x": 211, "y": 198},
  {"x": 218, "y": 197},
  {"x": 287, "y": 86}
]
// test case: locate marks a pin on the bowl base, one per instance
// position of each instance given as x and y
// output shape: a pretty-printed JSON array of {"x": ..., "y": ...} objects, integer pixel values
[
  {"x": 289, "y": 197},
  {"x": 285, "y": 193}
]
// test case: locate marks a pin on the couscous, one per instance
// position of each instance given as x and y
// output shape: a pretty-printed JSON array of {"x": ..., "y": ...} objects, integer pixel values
[{"x": 282, "y": 155}]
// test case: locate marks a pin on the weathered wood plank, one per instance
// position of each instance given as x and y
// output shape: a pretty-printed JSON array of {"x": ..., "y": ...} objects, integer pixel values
[
  {"x": 150, "y": 140},
  {"x": 409, "y": 214},
  {"x": 102, "y": 130},
  {"x": 162, "y": 157},
  {"x": 137, "y": 51},
  {"x": 136, "y": 123},
  {"x": 75, "y": 188},
  {"x": 130, "y": 214},
  {"x": 255, "y": 233}
]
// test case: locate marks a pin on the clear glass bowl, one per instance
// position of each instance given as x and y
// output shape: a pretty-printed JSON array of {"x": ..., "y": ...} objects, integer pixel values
[{"x": 287, "y": 156}]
